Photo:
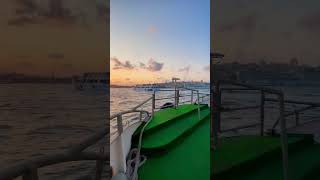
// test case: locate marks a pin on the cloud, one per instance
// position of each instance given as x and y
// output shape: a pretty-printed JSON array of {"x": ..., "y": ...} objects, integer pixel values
[
  {"x": 246, "y": 26},
  {"x": 67, "y": 66},
  {"x": 207, "y": 68},
  {"x": 287, "y": 35},
  {"x": 185, "y": 69},
  {"x": 22, "y": 21},
  {"x": 23, "y": 57},
  {"x": 245, "y": 23},
  {"x": 152, "y": 65},
  {"x": 31, "y": 12},
  {"x": 121, "y": 65},
  {"x": 56, "y": 12},
  {"x": 26, "y": 6},
  {"x": 103, "y": 11},
  {"x": 25, "y": 64},
  {"x": 310, "y": 22},
  {"x": 56, "y": 55}
]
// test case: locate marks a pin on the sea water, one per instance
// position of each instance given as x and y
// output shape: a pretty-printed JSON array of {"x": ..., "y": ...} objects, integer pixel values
[{"x": 38, "y": 119}]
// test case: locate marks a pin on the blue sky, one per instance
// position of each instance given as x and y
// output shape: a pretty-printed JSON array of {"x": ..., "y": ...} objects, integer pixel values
[{"x": 169, "y": 37}]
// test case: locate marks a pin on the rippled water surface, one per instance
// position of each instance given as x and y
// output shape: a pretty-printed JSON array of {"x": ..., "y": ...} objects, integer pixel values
[{"x": 37, "y": 119}]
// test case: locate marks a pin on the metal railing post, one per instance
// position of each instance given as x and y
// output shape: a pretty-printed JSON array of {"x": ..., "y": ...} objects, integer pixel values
[
  {"x": 216, "y": 113},
  {"x": 119, "y": 124},
  {"x": 99, "y": 166},
  {"x": 153, "y": 103},
  {"x": 175, "y": 95},
  {"x": 284, "y": 139},
  {"x": 178, "y": 97},
  {"x": 262, "y": 102},
  {"x": 140, "y": 116},
  {"x": 191, "y": 96},
  {"x": 297, "y": 118},
  {"x": 199, "y": 116},
  {"x": 219, "y": 95}
]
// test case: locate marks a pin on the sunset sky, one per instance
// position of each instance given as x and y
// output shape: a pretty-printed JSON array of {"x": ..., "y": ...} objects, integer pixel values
[
  {"x": 246, "y": 31},
  {"x": 63, "y": 37},
  {"x": 152, "y": 41}
]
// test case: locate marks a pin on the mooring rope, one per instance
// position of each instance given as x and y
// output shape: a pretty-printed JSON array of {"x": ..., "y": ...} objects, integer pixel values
[{"x": 135, "y": 159}]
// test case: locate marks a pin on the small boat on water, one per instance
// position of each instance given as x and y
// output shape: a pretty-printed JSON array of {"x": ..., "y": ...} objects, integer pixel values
[
  {"x": 91, "y": 81},
  {"x": 169, "y": 141}
]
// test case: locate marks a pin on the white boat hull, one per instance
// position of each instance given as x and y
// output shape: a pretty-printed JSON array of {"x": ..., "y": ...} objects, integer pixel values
[{"x": 120, "y": 148}]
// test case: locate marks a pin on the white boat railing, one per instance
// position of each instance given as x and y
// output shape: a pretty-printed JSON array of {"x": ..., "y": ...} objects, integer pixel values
[
  {"x": 144, "y": 114},
  {"x": 218, "y": 109},
  {"x": 28, "y": 169},
  {"x": 237, "y": 87}
]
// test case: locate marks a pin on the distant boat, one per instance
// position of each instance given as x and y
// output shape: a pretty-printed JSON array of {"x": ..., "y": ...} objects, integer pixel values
[
  {"x": 148, "y": 87},
  {"x": 91, "y": 81},
  {"x": 161, "y": 86}
]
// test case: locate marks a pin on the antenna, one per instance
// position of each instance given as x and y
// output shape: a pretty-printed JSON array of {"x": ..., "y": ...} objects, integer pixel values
[{"x": 174, "y": 79}]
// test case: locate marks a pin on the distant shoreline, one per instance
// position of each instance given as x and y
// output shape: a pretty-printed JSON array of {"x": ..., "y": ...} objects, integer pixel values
[
  {"x": 62, "y": 81},
  {"x": 119, "y": 86}
]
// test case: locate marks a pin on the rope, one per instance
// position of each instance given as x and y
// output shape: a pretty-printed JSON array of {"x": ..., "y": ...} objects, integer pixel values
[{"x": 135, "y": 159}]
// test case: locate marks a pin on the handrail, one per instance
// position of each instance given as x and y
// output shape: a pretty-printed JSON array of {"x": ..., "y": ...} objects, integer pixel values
[
  {"x": 252, "y": 87},
  {"x": 295, "y": 112},
  {"x": 126, "y": 112},
  {"x": 240, "y": 108},
  {"x": 217, "y": 121},
  {"x": 141, "y": 104},
  {"x": 282, "y": 113},
  {"x": 153, "y": 99},
  {"x": 29, "y": 168},
  {"x": 240, "y": 127},
  {"x": 120, "y": 114},
  {"x": 296, "y": 102}
]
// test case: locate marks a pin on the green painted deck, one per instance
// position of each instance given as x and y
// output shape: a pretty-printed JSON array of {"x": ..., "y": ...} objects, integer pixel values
[
  {"x": 188, "y": 157},
  {"x": 177, "y": 146},
  {"x": 238, "y": 150},
  {"x": 163, "y": 137},
  {"x": 256, "y": 157},
  {"x": 164, "y": 116}
]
